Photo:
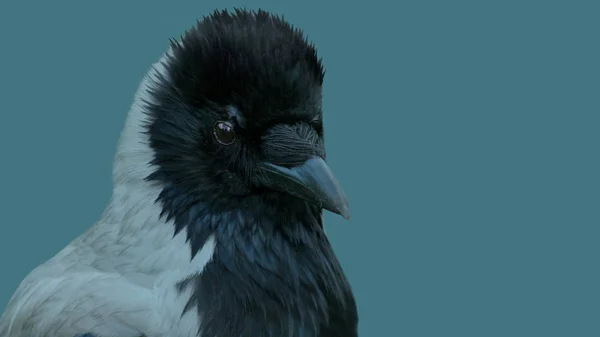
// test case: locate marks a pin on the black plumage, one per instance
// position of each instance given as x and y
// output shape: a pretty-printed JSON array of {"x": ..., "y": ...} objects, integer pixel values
[{"x": 242, "y": 95}]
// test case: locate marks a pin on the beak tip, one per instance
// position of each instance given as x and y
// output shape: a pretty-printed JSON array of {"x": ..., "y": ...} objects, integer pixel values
[{"x": 344, "y": 211}]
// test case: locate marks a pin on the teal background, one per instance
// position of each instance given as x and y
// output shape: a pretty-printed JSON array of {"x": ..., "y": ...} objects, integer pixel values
[{"x": 465, "y": 134}]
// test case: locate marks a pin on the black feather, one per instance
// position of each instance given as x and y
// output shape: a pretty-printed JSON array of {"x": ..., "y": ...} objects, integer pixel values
[{"x": 273, "y": 272}]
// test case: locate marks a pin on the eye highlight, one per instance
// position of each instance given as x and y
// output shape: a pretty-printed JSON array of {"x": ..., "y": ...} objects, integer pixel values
[{"x": 224, "y": 133}]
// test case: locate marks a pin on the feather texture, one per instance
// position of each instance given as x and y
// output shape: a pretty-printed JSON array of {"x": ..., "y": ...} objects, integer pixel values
[{"x": 119, "y": 278}]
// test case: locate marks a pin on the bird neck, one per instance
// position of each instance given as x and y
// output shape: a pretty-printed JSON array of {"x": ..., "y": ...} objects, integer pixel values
[{"x": 273, "y": 269}]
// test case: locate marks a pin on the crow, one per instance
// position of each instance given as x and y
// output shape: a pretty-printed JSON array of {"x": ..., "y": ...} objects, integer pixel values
[{"x": 215, "y": 224}]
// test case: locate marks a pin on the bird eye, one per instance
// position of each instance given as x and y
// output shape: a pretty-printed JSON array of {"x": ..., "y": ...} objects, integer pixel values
[{"x": 224, "y": 133}]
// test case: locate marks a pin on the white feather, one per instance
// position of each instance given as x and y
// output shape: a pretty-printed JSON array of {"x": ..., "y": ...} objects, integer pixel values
[{"x": 117, "y": 279}]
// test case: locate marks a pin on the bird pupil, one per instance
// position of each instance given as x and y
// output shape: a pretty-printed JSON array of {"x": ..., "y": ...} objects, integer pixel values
[{"x": 224, "y": 133}]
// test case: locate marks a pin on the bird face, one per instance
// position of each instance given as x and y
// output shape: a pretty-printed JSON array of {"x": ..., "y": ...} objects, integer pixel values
[{"x": 237, "y": 115}]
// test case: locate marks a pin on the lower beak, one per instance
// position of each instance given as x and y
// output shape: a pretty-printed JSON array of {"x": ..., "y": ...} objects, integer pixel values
[{"x": 312, "y": 181}]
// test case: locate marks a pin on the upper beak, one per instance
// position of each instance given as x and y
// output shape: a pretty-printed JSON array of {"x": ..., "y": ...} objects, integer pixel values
[{"x": 312, "y": 181}]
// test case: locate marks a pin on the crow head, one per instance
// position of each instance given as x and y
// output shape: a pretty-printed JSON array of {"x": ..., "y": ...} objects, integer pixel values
[{"x": 237, "y": 116}]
